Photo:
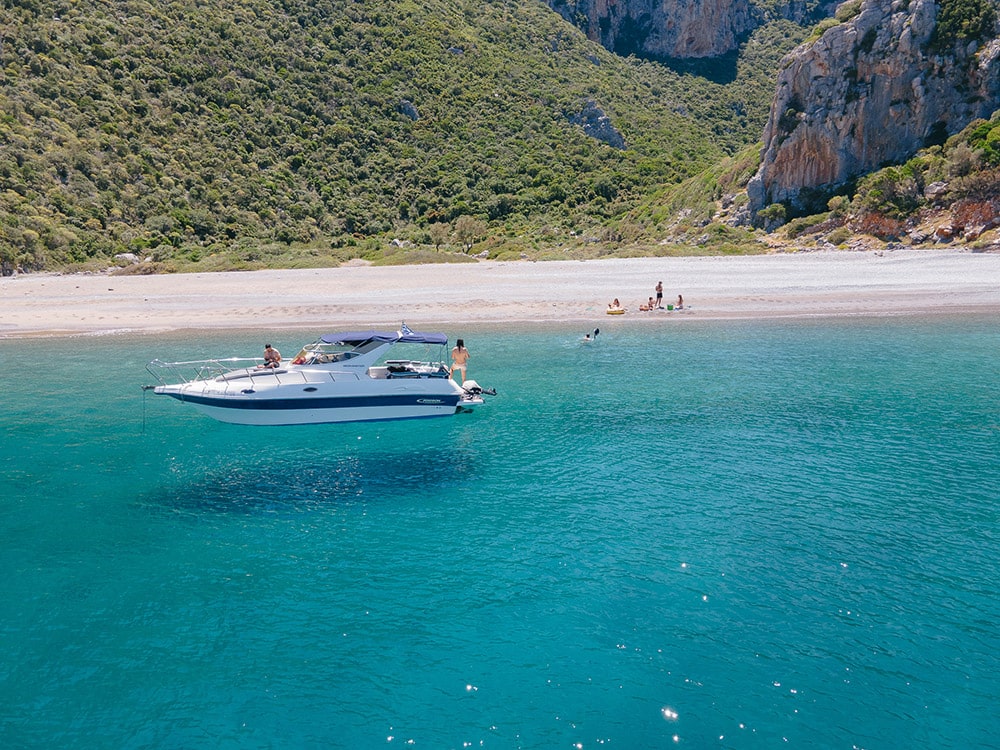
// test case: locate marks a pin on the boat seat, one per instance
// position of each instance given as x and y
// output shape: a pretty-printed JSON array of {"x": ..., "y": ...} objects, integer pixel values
[{"x": 250, "y": 373}]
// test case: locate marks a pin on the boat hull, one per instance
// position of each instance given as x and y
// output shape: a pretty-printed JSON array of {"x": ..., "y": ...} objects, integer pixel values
[
  {"x": 275, "y": 410},
  {"x": 265, "y": 413},
  {"x": 307, "y": 402}
]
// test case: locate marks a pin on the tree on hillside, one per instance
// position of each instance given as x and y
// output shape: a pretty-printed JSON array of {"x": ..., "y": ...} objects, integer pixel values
[
  {"x": 439, "y": 232},
  {"x": 468, "y": 229}
]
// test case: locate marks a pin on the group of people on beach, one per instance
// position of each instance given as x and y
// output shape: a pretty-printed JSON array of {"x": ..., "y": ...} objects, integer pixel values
[
  {"x": 658, "y": 303},
  {"x": 651, "y": 304}
]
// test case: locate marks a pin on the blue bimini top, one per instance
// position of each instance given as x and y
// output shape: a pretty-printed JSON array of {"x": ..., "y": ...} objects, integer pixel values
[{"x": 357, "y": 338}]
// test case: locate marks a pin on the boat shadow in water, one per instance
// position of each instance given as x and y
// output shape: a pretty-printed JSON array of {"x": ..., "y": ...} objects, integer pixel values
[{"x": 280, "y": 484}]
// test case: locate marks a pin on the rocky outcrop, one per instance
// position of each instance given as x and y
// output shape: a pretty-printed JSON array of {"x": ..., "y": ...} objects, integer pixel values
[
  {"x": 662, "y": 28},
  {"x": 597, "y": 124},
  {"x": 868, "y": 93}
]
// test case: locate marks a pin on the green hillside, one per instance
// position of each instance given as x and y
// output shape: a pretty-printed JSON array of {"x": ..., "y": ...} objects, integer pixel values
[{"x": 242, "y": 133}]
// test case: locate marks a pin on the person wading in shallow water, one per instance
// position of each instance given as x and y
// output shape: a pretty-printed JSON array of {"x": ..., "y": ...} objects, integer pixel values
[{"x": 459, "y": 358}]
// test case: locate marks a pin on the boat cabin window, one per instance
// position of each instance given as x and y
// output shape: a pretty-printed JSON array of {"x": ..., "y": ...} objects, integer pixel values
[{"x": 325, "y": 357}]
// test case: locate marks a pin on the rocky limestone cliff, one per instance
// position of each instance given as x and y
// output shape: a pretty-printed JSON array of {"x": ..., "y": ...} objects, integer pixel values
[
  {"x": 662, "y": 28},
  {"x": 868, "y": 93}
]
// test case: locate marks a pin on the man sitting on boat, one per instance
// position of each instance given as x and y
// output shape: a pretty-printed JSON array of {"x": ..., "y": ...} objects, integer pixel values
[{"x": 272, "y": 357}]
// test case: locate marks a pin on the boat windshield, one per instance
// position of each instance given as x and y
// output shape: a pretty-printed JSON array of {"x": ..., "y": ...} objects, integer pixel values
[
  {"x": 415, "y": 348},
  {"x": 319, "y": 352}
]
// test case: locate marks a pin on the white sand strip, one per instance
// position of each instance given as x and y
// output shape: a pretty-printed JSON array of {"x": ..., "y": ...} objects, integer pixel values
[{"x": 783, "y": 285}]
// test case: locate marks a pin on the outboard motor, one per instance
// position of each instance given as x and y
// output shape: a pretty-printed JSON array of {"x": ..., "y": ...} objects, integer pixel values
[{"x": 474, "y": 389}]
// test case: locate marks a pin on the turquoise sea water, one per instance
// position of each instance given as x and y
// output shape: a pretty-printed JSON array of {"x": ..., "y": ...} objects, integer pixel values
[{"x": 715, "y": 534}]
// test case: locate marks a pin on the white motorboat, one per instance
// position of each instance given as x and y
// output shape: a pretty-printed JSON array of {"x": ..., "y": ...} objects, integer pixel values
[{"x": 340, "y": 377}]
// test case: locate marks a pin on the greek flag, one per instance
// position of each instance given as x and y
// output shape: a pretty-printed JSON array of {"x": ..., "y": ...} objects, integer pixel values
[{"x": 405, "y": 330}]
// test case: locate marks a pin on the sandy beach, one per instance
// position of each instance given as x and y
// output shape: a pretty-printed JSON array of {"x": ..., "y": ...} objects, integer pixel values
[{"x": 782, "y": 285}]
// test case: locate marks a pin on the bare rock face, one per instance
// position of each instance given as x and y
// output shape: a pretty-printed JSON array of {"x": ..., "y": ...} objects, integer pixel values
[
  {"x": 868, "y": 93},
  {"x": 662, "y": 28},
  {"x": 597, "y": 124}
]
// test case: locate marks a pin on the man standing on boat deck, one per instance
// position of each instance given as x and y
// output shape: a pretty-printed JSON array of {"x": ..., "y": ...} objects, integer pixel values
[
  {"x": 272, "y": 357},
  {"x": 459, "y": 358}
]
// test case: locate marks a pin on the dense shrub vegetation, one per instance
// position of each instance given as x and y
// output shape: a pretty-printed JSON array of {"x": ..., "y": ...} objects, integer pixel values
[
  {"x": 984, "y": 137},
  {"x": 963, "y": 21},
  {"x": 241, "y": 132},
  {"x": 248, "y": 133},
  {"x": 966, "y": 166}
]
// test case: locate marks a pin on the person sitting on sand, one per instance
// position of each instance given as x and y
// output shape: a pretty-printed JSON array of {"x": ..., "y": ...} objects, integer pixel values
[
  {"x": 616, "y": 305},
  {"x": 680, "y": 303}
]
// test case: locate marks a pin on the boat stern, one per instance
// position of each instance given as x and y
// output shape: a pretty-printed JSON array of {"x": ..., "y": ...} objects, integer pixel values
[{"x": 472, "y": 395}]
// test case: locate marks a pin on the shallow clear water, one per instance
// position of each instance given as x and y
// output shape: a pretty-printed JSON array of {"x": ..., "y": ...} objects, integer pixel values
[{"x": 724, "y": 534}]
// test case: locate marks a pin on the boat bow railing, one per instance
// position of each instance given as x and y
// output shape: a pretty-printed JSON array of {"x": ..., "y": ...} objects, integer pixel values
[{"x": 201, "y": 369}]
